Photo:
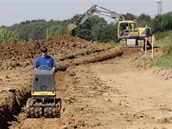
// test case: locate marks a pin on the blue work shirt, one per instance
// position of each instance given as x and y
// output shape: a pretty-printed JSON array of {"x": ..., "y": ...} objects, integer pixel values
[{"x": 41, "y": 62}]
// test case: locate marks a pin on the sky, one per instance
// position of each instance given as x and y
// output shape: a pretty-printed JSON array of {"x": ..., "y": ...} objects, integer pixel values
[{"x": 15, "y": 11}]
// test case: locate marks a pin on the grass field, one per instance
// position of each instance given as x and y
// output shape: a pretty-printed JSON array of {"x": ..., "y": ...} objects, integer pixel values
[{"x": 165, "y": 42}]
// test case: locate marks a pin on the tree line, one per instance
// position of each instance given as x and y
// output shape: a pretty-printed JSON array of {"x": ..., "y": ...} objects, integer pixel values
[{"x": 95, "y": 28}]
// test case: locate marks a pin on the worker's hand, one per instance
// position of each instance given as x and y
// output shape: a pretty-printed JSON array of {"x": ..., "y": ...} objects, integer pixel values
[
  {"x": 53, "y": 69},
  {"x": 35, "y": 68}
]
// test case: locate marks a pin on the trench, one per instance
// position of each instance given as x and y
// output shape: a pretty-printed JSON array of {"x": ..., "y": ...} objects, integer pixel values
[
  {"x": 13, "y": 106},
  {"x": 11, "y": 114}
]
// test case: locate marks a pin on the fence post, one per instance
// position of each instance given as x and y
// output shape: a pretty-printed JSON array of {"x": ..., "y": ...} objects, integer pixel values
[
  {"x": 152, "y": 42},
  {"x": 146, "y": 47}
]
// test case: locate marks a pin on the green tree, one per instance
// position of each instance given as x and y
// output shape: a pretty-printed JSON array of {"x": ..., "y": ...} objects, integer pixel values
[
  {"x": 103, "y": 32},
  {"x": 129, "y": 16},
  {"x": 144, "y": 20},
  {"x": 167, "y": 22},
  {"x": 85, "y": 30},
  {"x": 157, "y": 24},
  {"x": 162, "y": 23}
]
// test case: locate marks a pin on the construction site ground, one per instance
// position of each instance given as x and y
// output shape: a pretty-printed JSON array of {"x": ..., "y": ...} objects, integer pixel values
[{"x": 100, "y": 87}]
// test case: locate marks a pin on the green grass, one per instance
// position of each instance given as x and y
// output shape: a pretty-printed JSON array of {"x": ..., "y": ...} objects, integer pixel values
[
  {"x": 162, "y": 35},
  {"x": 116, "y": 45},
  {"x": 164, "y": 60},
  {"x": 1, "y": 30}
]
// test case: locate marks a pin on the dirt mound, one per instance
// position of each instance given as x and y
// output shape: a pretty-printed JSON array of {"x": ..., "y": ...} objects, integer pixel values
[{"x": 61, "y": 47}]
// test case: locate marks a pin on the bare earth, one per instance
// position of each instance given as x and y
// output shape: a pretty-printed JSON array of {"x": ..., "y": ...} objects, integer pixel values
[
  {"x": 109, "y": 95},
  {"x": 100, "y": 89}
]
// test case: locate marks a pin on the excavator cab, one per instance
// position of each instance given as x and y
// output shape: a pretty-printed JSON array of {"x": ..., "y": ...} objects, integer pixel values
[{"x": 127, "y": 29}]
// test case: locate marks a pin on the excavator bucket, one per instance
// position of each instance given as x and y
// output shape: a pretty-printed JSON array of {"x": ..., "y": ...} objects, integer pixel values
[{"x": 71, "y": 27}]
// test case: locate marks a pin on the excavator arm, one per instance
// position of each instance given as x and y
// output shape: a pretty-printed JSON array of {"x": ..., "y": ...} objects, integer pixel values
[{"x": 91, "y": 11}]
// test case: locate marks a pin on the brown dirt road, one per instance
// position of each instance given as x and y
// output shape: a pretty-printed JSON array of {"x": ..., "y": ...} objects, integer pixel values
[{"x": 109, "y": 95}]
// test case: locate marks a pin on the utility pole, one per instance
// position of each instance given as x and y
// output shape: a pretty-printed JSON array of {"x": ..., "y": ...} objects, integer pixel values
[
  {"x": 47, "y": 32},
  {"x": 159, "y": 2}
]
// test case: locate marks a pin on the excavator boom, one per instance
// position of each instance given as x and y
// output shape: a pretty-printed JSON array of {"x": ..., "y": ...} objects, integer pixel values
[{"x": 91, "y": 11}]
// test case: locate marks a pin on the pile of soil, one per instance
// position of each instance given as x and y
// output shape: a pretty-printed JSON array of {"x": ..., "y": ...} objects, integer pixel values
[{"x": 63, "y": 48}]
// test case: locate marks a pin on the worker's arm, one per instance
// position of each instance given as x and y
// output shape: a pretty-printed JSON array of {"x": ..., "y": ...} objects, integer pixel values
[
  {"x": 36, "y": 64},
  {"x": 53, "y": 65}
]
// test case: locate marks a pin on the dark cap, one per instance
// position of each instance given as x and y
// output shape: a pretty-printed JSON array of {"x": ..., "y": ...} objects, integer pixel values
[{"x": 43, "y": 49}]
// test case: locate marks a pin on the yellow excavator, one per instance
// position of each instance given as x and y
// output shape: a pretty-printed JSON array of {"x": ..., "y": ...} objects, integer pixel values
[{"x": 126, "y": 30}]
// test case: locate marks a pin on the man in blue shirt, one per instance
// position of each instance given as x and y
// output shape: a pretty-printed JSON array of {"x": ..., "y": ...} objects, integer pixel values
[{"x": 44, "y": 61}]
